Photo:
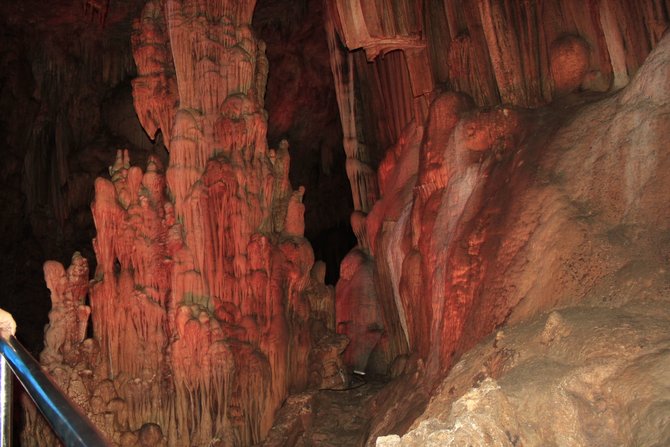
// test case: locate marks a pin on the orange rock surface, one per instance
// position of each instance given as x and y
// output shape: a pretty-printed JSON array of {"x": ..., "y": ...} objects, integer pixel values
[{"x": 205, "y": 306}]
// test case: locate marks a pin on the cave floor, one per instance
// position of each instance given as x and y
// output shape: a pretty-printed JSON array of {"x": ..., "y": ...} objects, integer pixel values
[
  {"x": 326, "y": 418},
  {"x": 342, "y": 417}
]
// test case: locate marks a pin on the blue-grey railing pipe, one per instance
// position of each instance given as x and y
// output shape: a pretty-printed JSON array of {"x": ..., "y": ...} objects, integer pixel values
[
  {"x": 6, "y": 420},
  {"x": 67, "y": 421}
]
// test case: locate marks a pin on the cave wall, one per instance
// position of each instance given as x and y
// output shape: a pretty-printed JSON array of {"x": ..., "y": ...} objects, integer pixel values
[{"x": 590, "y": 371}]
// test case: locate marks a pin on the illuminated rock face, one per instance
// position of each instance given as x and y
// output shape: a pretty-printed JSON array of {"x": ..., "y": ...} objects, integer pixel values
[
  {"x": 206, "y": 303},
  {"x": 441, "y": 153},
  {"x": 475, "y": 224}
]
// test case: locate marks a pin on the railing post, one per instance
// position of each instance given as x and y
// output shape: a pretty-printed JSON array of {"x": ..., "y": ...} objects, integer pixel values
[
  {"x": 7, "y": 329},
  {"x": 5, "y": 404}
]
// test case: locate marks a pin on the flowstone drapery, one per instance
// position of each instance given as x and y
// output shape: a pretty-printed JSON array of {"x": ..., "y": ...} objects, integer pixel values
[{"x": 423, "y": 68}]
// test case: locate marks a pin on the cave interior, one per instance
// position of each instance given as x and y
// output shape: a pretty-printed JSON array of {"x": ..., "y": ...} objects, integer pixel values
[{"x": 341, "y": 222}]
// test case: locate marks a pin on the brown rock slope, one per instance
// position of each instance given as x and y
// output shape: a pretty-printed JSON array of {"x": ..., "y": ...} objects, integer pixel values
[{"x": 590, "y": 375}]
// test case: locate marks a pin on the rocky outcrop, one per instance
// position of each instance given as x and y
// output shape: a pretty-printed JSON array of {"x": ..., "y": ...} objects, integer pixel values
[
  {"x": 489, "y": 186},
  {"x": 568, "y": 209},
  {"x": 442, "y": 249},
  {"x": 580, "y": 376}
]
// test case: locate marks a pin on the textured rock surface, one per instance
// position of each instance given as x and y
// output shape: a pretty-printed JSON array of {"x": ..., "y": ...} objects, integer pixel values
[
  {"x": 503, "y": 54},
  {"x": 574, "y": 216},
  {"x": 447, "y": 244},
  {"x": 486, "y": 220},
  {"x": 592, "y": 375},
  {"x": 202, "y": 298}
]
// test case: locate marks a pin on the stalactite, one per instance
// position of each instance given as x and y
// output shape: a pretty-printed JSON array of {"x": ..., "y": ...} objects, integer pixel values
[
  {"x": 363, "y": 187},
  {"x": 499, "y": 51},
  {"x": 504, "y": 52},
  {"x": 155, "y": 91},
  {"x": 469, "y": 70},
  {"x": 615, "y": 46},
  {"x": 379, "y": 26},
  {"x": 402, "y": 85},
  {"x": 398, "y": 80}
]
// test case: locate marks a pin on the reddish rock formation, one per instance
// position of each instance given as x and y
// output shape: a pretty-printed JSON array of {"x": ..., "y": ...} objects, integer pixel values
[
  {"x": 534, "y": 209},
  {"x": 485, "y": 191},
  {"x": 522, "y": 238},
  {"x": 201, "y": 303},
  {"x": 509, "y": 53},
  {"x": 569, "y": 60},
  {"x": 455, "y": 242}
]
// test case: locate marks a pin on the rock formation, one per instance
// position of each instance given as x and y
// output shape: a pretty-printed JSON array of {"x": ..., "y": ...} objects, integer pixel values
[
  {"x": 458, "y": 240},
  {"x": 503, "y": 54},
  {"x": 556, "y": 379},
  {"x": 617, "y": 279},
  {"x": 505, "y": 158},
  {"x": 487, "y": 220},
  {"x": 205, "y": 307}
]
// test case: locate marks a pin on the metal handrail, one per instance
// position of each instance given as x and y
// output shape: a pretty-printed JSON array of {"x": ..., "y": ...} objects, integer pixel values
[
  {"x": 67, "y": 421},
  {"x": 5, "y": 404}
]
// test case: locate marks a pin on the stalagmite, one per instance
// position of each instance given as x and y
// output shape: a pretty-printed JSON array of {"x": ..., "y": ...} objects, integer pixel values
[
  {"x": 201, "y": 303},
  {"x": 357, "y": 308}
]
